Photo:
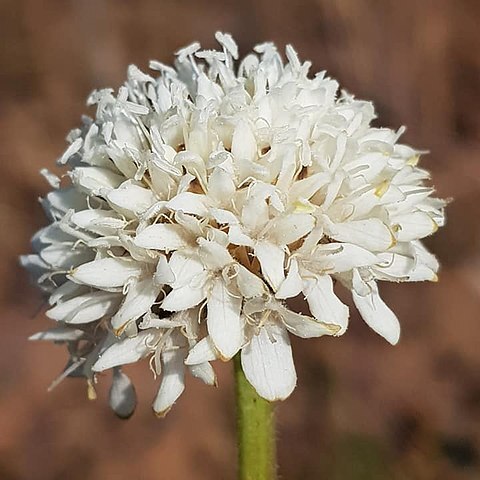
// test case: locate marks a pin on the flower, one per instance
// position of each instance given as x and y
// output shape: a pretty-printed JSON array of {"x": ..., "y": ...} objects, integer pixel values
[{"x": 204, "y": 204}]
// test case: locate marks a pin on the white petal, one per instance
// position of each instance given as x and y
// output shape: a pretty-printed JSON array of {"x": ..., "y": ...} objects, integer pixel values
[
  {"x": 64, "y": 199},
  {"x": 163, "y": 273},
  {"x": 223, "y": 216},
  {"x": 94, "y": 180},
  {"x": 122, "y": 396},
  {"x": 224, "y": 323},
  {"x": 72, "y": 149},
  {"x": 414, "y": 195},
  {"x": 52, "y": 179},
  {"x": 372, "y": 164},
  {"x": 306, "y": 188},
  {"x": 122, "y": 159},
  {"x": 290, "y": 228},
  {"x": 128, "y": 350},
  {"x": 186, "y": 269},
  {"x": 423, "y": 256},
  {"x": 162, "y": 236},
  {"x": 248, "y": 283},
  {"x": 126, "y": 133},
  {"x": 255, "y": 211},
  {"x": 173, "y": 381},
  {"x": 49, "y": 235},
  {"x": 377, "y": 314},
  {"x": 305, "y": 327},
  {"x": 324, "y": 304},
  {"x": 189, "y": 202},
  {"x": 65, "y": 256},
  {"x": 140, "y": 297},
  {"x": 202, "y": 351},
  {"x": 204, "y": 371},
  {"x": 213, "y": 255},
  {"x": 192, "y": 225},
  {"x": 131, "y": 199},
  {"x": 271, "y": 258},
  {"x": 397, "y": 266},
  {"x": 106, "y": 272},
  {"x": 426, "y": 264},
  {"x": 339, "y": 258},
  {"x": 221, "y": 186},
  {"x": 103, "y": 222},
  {"x": 414, "y": 226},
  {"x": 59, "y": 334},
  {"x": 268, "y": 363},
  {"x": 371, "y": 234},
  {"x": 237, "y": 236},
  {"x": 65, "y": 291},
  {"x": 182, "y": 298},
  {"x": 292, "y": 285},
  {"x": 84, "y": 308},
  {"x": 244, "y": 144}
]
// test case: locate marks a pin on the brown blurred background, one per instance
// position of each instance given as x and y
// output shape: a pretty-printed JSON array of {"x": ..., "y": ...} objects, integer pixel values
[{"x": 363, "y": 410}]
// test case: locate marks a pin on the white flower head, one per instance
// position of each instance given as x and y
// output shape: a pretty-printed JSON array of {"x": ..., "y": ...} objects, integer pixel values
[{"x": 201, "y": 204}]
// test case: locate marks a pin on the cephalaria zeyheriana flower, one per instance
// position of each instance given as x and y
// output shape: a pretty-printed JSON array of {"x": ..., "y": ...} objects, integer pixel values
[{"x": 204, "y": 204}]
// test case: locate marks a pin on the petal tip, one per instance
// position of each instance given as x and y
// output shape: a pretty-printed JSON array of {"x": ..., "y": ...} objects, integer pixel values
[{"x": 161, "y": 414}]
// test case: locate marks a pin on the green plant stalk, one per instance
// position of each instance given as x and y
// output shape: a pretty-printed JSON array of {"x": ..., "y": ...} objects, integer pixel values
[{"x": 255, "y": 431}]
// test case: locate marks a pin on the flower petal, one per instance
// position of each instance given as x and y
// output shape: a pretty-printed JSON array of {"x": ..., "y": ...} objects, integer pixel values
[
  {"x": 248, "y": 283},
  {"x": 189, "y": 285},
  {"x": 106, "y": 272},
  {"x": 163, "y": 272},
  {"x": 202, "y": 351},
  {"x": 268, "y": 363},
  {"x": 414, "y": 226},
  {"x": 237, "y": 236},
  {"x": 131, "y": 199},
  {"x": 305, "y": 327},
  {"x": 162, "y": 236},
  {"x": 204, "y": 372},
  {"x": 94, "y": 180},
  {"x": 307, "y": 187},
  {"x": 377, "y": 314},
  {"x": 292, "y": 285},
  {"x": 324, "y": 304},
  {"x": 221, "y": 186},
  {"x": 223, "y": 216},
  {"x": 128, "y": 350},
  {"x": 244, "y": 144},
  {"x": 271, "y": 258},
  {"x": 140, "y": 297},
  {"x": 371, "y": 234},
  {"x": 102, "y": 222},
  {"x": 339, "y": 258},
  {"x": 182, "y": 298},
  {"x": 213, "y": 255},
  {"x": 64, "y": 256},
  {"x": 290, "y": 228},
  {"x": 122, "y": 395},
  {"x": 85, "y": 308},
  {"x": 59, "y": 334},
  {"x": 189, "y": 202},
  {"x": 173, "y": 381},
  {"x": 224, "y": 322}
]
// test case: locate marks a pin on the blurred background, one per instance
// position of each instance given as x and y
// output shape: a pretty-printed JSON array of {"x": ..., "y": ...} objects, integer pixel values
[{"x": 363, "y": 410}]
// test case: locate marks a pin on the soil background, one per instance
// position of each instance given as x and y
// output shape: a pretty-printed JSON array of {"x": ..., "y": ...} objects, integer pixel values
[{"x": 363, "y": 410}]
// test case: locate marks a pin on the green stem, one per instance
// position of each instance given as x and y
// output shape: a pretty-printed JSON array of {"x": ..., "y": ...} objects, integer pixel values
[{"x": 255, "y": 431}]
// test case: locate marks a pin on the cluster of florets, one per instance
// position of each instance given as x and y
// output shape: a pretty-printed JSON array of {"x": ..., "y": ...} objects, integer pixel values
[{"x": 205, "y": 204}]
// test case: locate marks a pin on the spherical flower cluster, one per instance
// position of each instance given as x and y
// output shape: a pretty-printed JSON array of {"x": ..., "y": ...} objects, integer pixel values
[{"x": 203, "y": 204}]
